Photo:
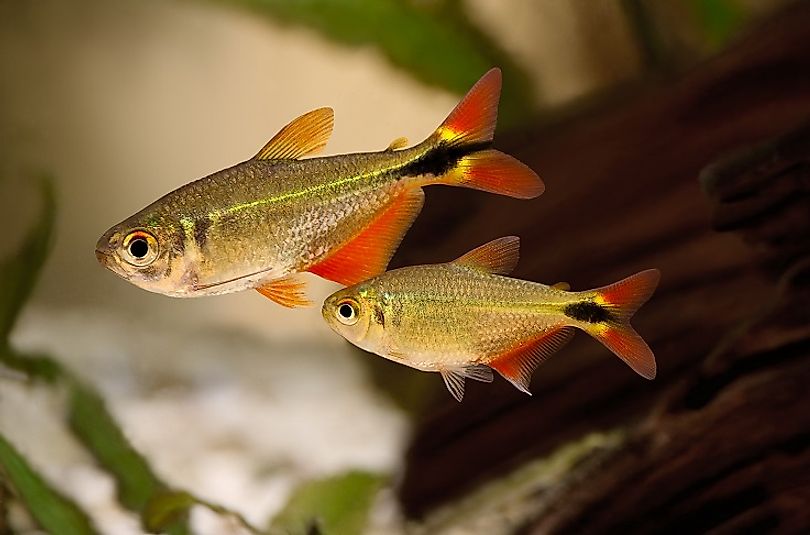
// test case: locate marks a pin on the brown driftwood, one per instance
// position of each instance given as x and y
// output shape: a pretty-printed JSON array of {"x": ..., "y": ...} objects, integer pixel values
[{"x": 721, "y": 438}]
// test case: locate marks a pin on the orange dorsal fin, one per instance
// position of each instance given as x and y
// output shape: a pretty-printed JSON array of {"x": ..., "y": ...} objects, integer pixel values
[
  {"x": 473, "y": 119},
  {"x": 303, "y": 136},
  {"x": 398, "y": 144},
  {"x": 518, "y": 365},
  {"x": 499, "y": 256},
  {"x": 367, "y": 254},
  {"x": 287, "y": 291},
  {"x": 564, "y": 286}
]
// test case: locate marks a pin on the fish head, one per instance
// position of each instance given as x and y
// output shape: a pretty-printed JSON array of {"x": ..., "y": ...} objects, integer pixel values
[
  {"x": 145, "y": 254},
  {"x": 356, "y": 314}
]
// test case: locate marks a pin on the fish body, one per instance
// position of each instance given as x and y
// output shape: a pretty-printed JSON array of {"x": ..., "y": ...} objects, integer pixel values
[
  {"x": 465, "y": 318},
  {"x": 258, "y": 223}
]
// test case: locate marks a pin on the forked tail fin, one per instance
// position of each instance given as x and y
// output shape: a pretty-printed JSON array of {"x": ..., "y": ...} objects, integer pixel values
[
  {"x": 463, "y": 142},
  {"x": 620, "y": 301}
]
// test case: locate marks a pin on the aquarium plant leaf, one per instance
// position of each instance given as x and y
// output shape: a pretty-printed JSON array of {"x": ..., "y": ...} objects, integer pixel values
[
  {"x": 338, "y": 504},
  {"x": 32, "y": 366},
  {"x": 434, "y": 41},
  {"x": 18, "y": 274},
  {"x": 95, "y": 427},
  {"x": 166, "y": 508},
  {"x": 53, "y": 511},
  {"x": 88, "y": 416}
]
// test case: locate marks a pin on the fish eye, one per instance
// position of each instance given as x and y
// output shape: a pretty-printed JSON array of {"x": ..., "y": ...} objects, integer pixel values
[
  {"x": 347, "y": 312},
  {"x": 140, "y": 248}
]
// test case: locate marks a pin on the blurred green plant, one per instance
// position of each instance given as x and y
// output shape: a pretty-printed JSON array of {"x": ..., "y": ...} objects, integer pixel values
[
  {"x": 88, "y": 416},
  {"x": 18, "y": 273},
  {"x": 718, "y": 20},
  {"x": 435, "y": 41},
  {"x": 52, "y": 511},
  {"x": 337, "y": 505},
  {"x": 701, "y": 27}
]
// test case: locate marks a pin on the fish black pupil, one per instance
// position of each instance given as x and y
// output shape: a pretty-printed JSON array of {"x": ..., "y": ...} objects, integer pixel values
[
  {"x": 346, "y": 311},
  {"x": 138, "y": 248}
]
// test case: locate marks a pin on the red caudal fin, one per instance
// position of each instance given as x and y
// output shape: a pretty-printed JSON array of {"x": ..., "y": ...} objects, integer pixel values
[
  {"x": 620, "y": 301},
  {"x": 464, "y": 138},
  {"x": 495, "y": 172},
  {"x": 473, "y": 119}
]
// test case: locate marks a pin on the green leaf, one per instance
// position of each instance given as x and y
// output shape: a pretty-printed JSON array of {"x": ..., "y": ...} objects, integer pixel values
[
  {"x": 95, "y": 427},
  {"x": 338, "y": 505},
  {"x": 88, "y": 416},
  {"x": 434, "y": 41},
  {"x": 54, "y": 512},
  {"x": 32, "y": 365},
  {"x": 18, "y": 274},
  {"x": 165, "y": 509}
]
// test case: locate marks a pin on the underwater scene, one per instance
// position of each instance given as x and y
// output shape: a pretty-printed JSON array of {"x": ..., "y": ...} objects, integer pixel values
[{"x": 404, "y": 267}]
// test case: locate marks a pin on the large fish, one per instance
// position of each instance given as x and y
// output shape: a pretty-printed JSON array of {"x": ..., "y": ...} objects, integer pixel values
[
  {"x": 464, "y": 318},
  {"x": 258, "y": 223}
]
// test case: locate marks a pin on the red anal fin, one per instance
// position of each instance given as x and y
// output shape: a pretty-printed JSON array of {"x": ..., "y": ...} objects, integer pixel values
[
  {"x": 518, "y": 365},
  {"x": 368, "y": 253},
  {"x": 287, "y": 291}
]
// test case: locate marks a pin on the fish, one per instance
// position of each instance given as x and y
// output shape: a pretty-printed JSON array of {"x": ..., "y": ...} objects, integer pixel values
[
  {"x": 262, "y": 222},
  {"x": 466, "y": 318}
]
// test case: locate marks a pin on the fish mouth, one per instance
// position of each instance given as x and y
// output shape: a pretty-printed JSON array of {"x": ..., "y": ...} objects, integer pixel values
[
  {"x": 326, "y": 311},
  {"x": 103, "y": 250}
]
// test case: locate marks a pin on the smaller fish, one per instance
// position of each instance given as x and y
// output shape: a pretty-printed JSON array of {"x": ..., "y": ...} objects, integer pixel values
[{"x": 464, "y": 318}]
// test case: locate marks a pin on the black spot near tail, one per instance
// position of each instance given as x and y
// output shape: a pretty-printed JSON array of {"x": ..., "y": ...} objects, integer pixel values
[
  {"x": 587, "y": 311},
  {"x": 442, "y": 159}
]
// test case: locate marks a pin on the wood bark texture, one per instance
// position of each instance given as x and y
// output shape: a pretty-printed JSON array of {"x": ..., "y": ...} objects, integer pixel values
[{"x": 706, "y": 177}]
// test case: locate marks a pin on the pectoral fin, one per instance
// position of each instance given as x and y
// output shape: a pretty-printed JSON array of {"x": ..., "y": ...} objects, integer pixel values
[
  {"x": 517, "y": 365},
  {"x": 368, "y": 253},
  {"x": 287, "y": 291},
  {"x": 305, "y": 135}
]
